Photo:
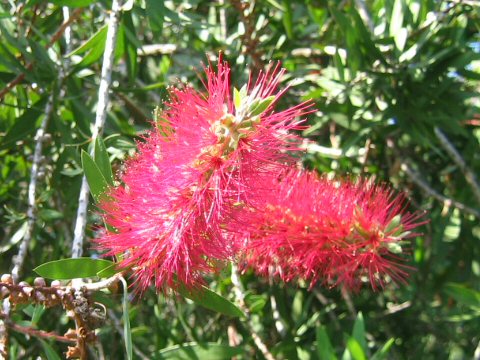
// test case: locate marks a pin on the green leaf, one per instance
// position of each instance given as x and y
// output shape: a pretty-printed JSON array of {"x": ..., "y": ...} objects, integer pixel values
[
  {"x": 127, "y": 333},
  {"x": 24, "y": 126},
  {"x": 287, "y": 18},
  {"x": 130, "y": 45},
  {"x": 394, "y": 223},
  {"x": 383, "y": 352},
  {"x": 49, "y": 352},
  {"x": 359, "y": 332},
  {"x": 463, "y": 294},
  {"x": 195, "y": 351},
  {"x": 109, "y": 271},
  {"x": 324, "y": 346},
  {"x": 67, "y": 269},
  {"x": 155, "y": 10},
  {"x": 15, "y": 239},
  {"x": 95, "y": 41},
  {"x": 209, "y": 299},
  {"x": 355, "y": 349},
  {"x": 38, "y": 311},
  {"x": 396, "y": 19},
  {"x": 237, "y": 99},
  {"x": 96, "y": 181},
  {"x": 261, "y": 106},
  {"x": 103, "y": 161},
  {"x": 73, "y": 3}
]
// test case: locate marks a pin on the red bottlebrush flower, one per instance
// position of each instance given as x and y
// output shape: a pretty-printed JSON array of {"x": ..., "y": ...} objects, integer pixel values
[
  {"x": 334, "y": 232},
  {"x": 189, "y": 173}
]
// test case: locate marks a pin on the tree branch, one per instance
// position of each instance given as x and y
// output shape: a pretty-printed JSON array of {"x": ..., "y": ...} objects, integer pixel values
[
  {"x": 447, "y": 201},
  {"x": 457, "y": 158},
  {"x": 101, "y": 114},
  {"x": 240, "y": 296}
]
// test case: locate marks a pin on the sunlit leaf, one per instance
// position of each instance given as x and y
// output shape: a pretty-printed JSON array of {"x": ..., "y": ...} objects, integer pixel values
[
  {"x": 209, "y": 299},
  {"x": 67, "y": 269},
  {"x": 195, "y": 351},
  {"x": 96, "y": 181}
]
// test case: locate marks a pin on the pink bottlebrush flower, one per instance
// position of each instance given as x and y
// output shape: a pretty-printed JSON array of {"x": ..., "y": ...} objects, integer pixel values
[
  {"x": 178, "y": 191},
  {"x": 334, "y": 232}
]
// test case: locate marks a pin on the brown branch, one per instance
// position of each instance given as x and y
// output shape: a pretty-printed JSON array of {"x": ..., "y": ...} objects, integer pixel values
[
  {"x": 39, "y": 333},
  {"x": 249, "y": 39},
  {"x": 29, "y": 66},
  {"x": 458, "y": 159},
  {"x": 415, "y": 178}
]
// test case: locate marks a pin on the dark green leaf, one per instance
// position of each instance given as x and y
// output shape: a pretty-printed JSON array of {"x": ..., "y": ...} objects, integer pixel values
[
  {"x": 155, "y": 11},
  {"x": 96, "y": 181},
  {"x": 67, "y": 269},
  {"x": 383, "y": 352},
  {"x": 50, "y": 353},
  {"x": 97, "y": 40},
  {"x": 72, "y": 3},
  {"x": 38, "y": 311},
  {"x": 24, "y": 125},
  {"x": 288, "y": 18},
  {"x": 194, "y": 351},
  {"x": 103, "y": 161},
  {"x": 109, "y": 271},
  {"x": 127, "y": 333},
  {"x": 131, "y": 42},
  {"x": 359, "y": 332},
  {"x": 324, "y": 346},
  {"x": 16, "y": 238},
  {"x": 205, "y": 297},
  {"x": 463, "y": 294}
]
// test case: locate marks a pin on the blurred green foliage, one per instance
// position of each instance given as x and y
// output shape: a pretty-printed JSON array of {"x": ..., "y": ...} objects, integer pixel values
[{"x": 396, "y": 88}]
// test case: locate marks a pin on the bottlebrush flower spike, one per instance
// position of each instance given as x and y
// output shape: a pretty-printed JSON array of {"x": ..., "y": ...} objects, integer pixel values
[
  {"x": 334, "y": 232},
  {"x": 191, "y": 171}
]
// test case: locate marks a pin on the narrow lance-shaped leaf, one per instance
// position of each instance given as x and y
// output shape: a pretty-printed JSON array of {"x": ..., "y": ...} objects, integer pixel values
[
  {"x": 188, "y": 351},
  {"x": 211, "y": 300},
  {"x": 127, "y": 333},
  {"x": 355, "y": 349},
  {"x": 324, "y": 346},
  {"x": 359, "y": 332},
  {"x": 383, "y": 351},
  {"x": 49, "y": 351},
  {"x": 103, "y": 161},
  {"x": 96, "y": 181},
  {"x": 67, "y": 269}
]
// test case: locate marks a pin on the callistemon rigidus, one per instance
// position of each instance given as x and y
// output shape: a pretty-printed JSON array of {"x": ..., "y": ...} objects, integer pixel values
[
  {"x": 327, "y": 231},
  {"x": 168, "y": 216}
]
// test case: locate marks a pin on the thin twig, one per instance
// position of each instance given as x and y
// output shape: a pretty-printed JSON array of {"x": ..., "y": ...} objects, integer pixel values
[
  {"x": 29, "y": 66},
  {"x": 19, "y": 259},
  {"x": 99, "y": 285},
  {"x": 240, "y": 296},
  {"x": 348, "y": 300},
  {"x": 156, "y": 49},
  {"x": 101, "y": 114},
  {"x": 457, "y": 158},
  {"x": 326, "y": 303},
  {"x": 446, "y": 201},
  {"x": 249, "y": 39},
  {"x": 40, "y": 333}
]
